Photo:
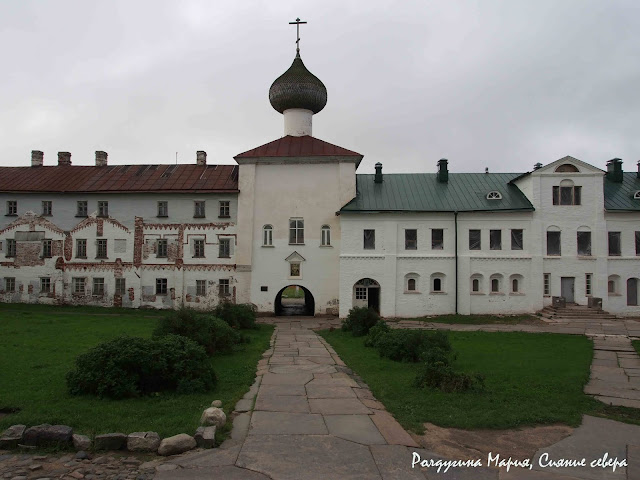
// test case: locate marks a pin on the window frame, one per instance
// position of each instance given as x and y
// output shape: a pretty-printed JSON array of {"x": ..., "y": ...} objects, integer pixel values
[
  {"x": 98, "y": 287},
  {"x": 201, "y": 288},
  {"x": 325, "y": 240},
  {"x": 585, "y": 252},
  {"x": 224, "y": 209},
  {"x": 45, "y": 281},
  {"x": 12, "y": 208},
  {"x": 162, "y": 248},
  {"x": 551, "y": 233},
  {"x": 199, "y": 209},
  {"x": 546, "y": 284},
  {"x": 79, "y": 285},
  {"x": 411, "y": 243},
  {"x": 371, "y": 240},
  {"x": 78, "y": 248},
  {"x": 474, "y": 231},
  {"x": 296, "y": 231},
  {"x": 267, "y": 236},
  {"x": 361, "y": 293},
  {"x": 11, "y": 247},
  {"x": 162, "y": 286},
  {"x": 497, "y": 283},
  {"x": 514, "y": 234},
  {"x": 588, "y": 284},
  {"x": 47, "y": 248},
  {"x": 102, "y": 248},
  {"x": 222, "y": 248},
  {"x": 224, "y": 287},
  {"x": 47, "y": 208},
  {"x": 103, "y": 208},
  {"x": 82, "y": 208},
  {"x": 573, "y": 199},
  {"x": 437, "y": 244},
  {"x": 10, "y": 281},
  {"x": 121, "y": 286},
  {"x": 610, "y": 245},
  {"x": 198, "y": 248},
  {"x": 493, "y": 245},
  {"x": 163, "y": 208},
  {"x": 475, "y": 281}
]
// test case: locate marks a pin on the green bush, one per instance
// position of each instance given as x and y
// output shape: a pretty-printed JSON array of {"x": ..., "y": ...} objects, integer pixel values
[
  {"x": 442, "y": 376},
  {"x": 130, "y": 366},
  {"x": 410, "y": 345},
  {"x": 376, "y": 333},
  {"x": 241, "y": 315},
  {"x": 360, "y": 320}
]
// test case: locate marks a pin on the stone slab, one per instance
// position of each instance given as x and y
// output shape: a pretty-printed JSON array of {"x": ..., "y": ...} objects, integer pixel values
[
  {"x": 240, "y": 427},
  {"x": 244, "y": 405},
  {"x": 286, "y": 378},
  {"x": 391, "y": 430},
  {"x": 394, "y": 462},
  {"x": 283, "y": 390},
  {"x": 286, "y": 423},
  {"x": 338, "y": 406},
  {"x": 209, "y": 458},
  {"x": 623, "y": 402},
  {"x": 329, "y": 391},
  {"x": 282, "y": 403},
  {"x": 357, "y": 428}
]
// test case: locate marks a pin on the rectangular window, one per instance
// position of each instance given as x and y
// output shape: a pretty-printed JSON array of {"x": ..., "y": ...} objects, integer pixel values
[
  {"x": 78, "y": 284},
  {"x": 369, "y": 239},
  {"x": 553, "y": 243},
  {"x": 567, "y": 195},
  {"x": 198, "y": 209},
  {"x": 495, "y": 239},
  {"x": 474, "y": 240},
  {"x": 614, "y": 243},
  {"x": 437, "y": 239},
  {"x": 411, "y": 239},
  {"x": 584, "y": 243},
  {"x": 223, "y": 287},
  {"x": 547, "y": 284},
  {"x": 45, "y": 285},
  {"x": 361, "y": 293},
  {"x": 201, "y": 288},
  {"x": 161, "y": 286},
  {"x": 47, "y": 248},
  {"x": 296, "y": 231},
  {"x": 224, "y": 209},
  {"x": 198, "y": 248},
  {"x": 163, "y": 209},
  {"x": 103, "y": 209},
  {"x": 101, "y": 251},
  {"x": 267, "y": 236},
  {"x": 82, "y": 208},
  {"x": 81, "y": 248},
  {"x": 637, "y": 243},
  {"x": 98, "y": 287},
  {"x": 9, "y": 284},
  {"x": 47, "y": 208},
  {"x": 121, "y": 286},
  {"x": 587, "y": 284},
  {"x": 12, "y": 207},
  {"x": 225, "y": 248},
  {"x": 161, "y": 247},
  {"x": 516, "y": 239},
  {"x": 326, "y": 236},
  {"x": 11, "y": 247}
]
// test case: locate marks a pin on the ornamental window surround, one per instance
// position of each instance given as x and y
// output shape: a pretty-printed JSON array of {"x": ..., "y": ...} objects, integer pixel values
[
  {"x": 267, "y": 236},
  {"x": 326, "y": 236},
  {"x": 494, "y": 195}
]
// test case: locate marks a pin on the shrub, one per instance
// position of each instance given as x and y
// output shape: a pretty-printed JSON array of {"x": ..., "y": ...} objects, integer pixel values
[
  {"x": 443, "y": 377},
  {"x": 376, "y": 333},
  {"x": 130, "y": 366},
  {"x": 411, "y": 345},
  {"x": 360, "y": 320},
  {"x": 241, "y": 315}
]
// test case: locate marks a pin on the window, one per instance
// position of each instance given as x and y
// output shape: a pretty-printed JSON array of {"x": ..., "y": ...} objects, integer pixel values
[
  {"x": 410, "y": 239},
  {"x": 369, "y": 239},
  {"x": 636, "y": 196},
  {"x": 11, "y": 247},
  {"x": 294, "y": 269},
  {"x": 224, "y": 209},
  {"x": 9, "y": 284},
  {"x": 121, "y": 286},
  {"x": 611, "y": 286},
  {"x": 637, "y": 243},
  {"x": 45, "y": 285},
  {"x": 567, "y": 167},
  {"x": 12, "y": 207},
  {"x": 547, "y": 284},
  {"x": 81, "y": 248},
  {"x": 515, "y": 285},
  {"x": 296, "y": 231},
  {"x": 411, "y": 285},
  {"x": 224, "y": 287},
  {"x": 587, "y": 283},
  {"x": 162, "y": 247},
  {"x": 198, "y": 209},
  {"x": 81, "y": 208},
  {"x": 103, "y": 209},
  {"x": 567, "y": 195},
  {"x": 411, "y": 282},
  {"x": 495, "y": 239},
  {"x": 225, "y": 248},
  {"x": 475, "y": 285},
  {"x": 437, "y": 239},
  {"x": 494, "y": 195},
  {"x": 553, "y": 243},
  {"x": 47, "y": 208},
  {"x": 437, "y": 284},
  {"x": 98, "y": 287},
  {"x": 161, "y": 286},
  {"x": 47, "y": 248},
  {"x": 474, "y": 240},
  {"x": 201, "y": 288},
  {"x": 326, "y": 236},
  {"x": 614, "y": 243},
  {"x": 267, "y": 236},
  {"x": 495, "y": 285},
  {"x": 584, "y": 243},
  {"x": 361, "y": 293},
  {"x": 198, "y": 248},
  {"x": 163, "y": 209},
  {"x": 78, "y": 284},
  {"x": 516, "y": 239},
  {"x": 101, "y": 251}
]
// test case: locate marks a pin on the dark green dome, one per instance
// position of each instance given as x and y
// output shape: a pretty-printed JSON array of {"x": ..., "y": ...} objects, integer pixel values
[{"x": 298, "y": 88}]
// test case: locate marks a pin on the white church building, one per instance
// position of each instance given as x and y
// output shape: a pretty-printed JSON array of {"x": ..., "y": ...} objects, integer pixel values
[{"x": 408, "y": 245}]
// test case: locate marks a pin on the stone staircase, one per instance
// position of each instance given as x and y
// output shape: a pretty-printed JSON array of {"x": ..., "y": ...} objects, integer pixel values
[{"x": 575, "y": 312}]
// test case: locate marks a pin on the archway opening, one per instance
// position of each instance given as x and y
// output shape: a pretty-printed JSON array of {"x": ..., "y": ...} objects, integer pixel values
[
  {"x": 366, "y": 293},
  {"x": 294, "y": 300}
]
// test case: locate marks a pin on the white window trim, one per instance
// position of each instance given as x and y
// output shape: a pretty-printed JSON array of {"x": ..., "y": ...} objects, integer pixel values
[{"x": 494, "y": 195}]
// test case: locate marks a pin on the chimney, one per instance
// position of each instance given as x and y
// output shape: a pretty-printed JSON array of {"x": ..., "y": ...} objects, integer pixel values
[
  {"x": 443, "y": 172},
  {"x": 64, "y": 158},
  {"x": 101, "y": 158},
  {"x": 37, "y": 158},
  {"x": 537, "y": 166},
  {"x": 378, "y": 177},
  {"x": 614, "y": 170},
  {"x": 201, "y": 157}
]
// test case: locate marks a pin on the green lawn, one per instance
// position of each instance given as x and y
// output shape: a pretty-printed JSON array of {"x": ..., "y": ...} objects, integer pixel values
[
  {"x": 530, "y": 379},
  {"x": 38, "y": 346},
  {"x": 478, "y": 319}
]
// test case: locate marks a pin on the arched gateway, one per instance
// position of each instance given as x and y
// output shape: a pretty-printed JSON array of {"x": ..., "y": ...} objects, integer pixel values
[{"x": 294, "y": 300}]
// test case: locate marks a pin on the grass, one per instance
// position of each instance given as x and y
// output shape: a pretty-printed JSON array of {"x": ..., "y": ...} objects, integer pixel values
[
  {"x": 636, "y": 345},
  {"x": 477, "y": 319},
  {"x": 39, "y": 345},
  {"x": 290, "y": 292},
  {"x": 531, "y": 379}
]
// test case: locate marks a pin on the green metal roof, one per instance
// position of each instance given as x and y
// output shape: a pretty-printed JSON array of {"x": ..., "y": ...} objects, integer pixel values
[
  {"x": 619, "y": 196},
  {"x": 421, "y": 192}
]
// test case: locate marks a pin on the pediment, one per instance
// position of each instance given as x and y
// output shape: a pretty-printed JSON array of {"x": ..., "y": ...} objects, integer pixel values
[
  {"x": 295, "y": 257},
  {"x": 582, "y": 167}
]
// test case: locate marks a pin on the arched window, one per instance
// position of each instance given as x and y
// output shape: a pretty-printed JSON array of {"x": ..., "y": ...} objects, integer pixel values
[
  {"x": 437, "y": 283},
  {"x": 516, "y": 282},
  {"x": 475, "y": 285},
  {"x": 326, "y": 236},
  {"x": 636, "y": 196},
  {"x": 567, "y": 167},
  {"x": 514, "y": 285},
  {"x": 494, "y": 195},
  {"x": 267, "y": 236},
  {"x": 411, "y": 285},
  {"x": 495, "y": 285},
  {"x": 411, "y": 282}
]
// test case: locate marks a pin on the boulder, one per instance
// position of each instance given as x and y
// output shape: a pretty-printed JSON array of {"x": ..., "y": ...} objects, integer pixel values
[
  {"x": 46, "y": 434},
  {"x": 81, "y": 442},
  {"x": 143, "y": 442},
  {"x": 213, "y": 416},
  {"x": 176, "y": 444},
  {"x": 205, "y": 437},
  {"x": 110, "y": 441},
  {"x": 12, "y": 436},
  {"x": 216, "y": 403}
]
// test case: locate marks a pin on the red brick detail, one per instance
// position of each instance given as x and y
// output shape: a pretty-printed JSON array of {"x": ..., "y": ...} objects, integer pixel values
[
  {"x": 60, "y": 263},
  {"x": 117, "y": 300},
  {"x": 138, "y": 239},
  {"x": 180, "y": 242},
  {"x": 87, "y": 222},
  {"x": 131, "y": 293},
  {"x": 30, "y": 288},
  {"x": 173, "y": 293},
  {"x": 57, "y": 248},
  {"x": 99, "y": 227},
  {"x": 33, "y": 220},
  {"x": 68, "y": 247},
  {"x": 28, "y": 254}
]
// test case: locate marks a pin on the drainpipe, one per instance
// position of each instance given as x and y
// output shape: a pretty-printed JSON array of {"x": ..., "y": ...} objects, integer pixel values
[{"x": 455, "y": 218}]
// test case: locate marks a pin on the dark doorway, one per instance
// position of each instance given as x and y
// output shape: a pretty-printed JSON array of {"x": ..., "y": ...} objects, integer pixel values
[
  {"x": 374, "y": 299},
  {"x": 294, "y": 300},
  {"x": 632, "y": 292},
  {"x": 567, "y": 288}
]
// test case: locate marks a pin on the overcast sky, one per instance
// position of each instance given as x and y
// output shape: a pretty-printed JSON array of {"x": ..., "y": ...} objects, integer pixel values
[{"x": 498, "y": 84}]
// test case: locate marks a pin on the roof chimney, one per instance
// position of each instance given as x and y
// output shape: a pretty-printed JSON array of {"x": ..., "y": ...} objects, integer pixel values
[
  {"x": 378, "y": 177},
  {"x": 64, "y": 158},
  {"x": 537, "y": 166},
  {"x": 201, "y": 157},
  {"x": 614, "y": 170},
  {"x": 486, "y": 169},
  {"x": 101, "y": 158},
  {"x": 37, "y": 158},
  {"x": 443, "y": 171}
]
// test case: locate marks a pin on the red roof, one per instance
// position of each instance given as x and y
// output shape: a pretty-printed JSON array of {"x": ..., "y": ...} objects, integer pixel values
[
  {"x": 120, "y": 178},
  {"x": 290, "y": 146}
]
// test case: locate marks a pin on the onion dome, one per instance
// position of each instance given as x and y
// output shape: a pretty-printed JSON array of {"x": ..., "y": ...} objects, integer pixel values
[{"x": 298, "y": 88}]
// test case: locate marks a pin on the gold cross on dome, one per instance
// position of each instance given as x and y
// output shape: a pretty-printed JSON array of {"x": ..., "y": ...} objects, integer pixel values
[{"x": 297, "y": 23}]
